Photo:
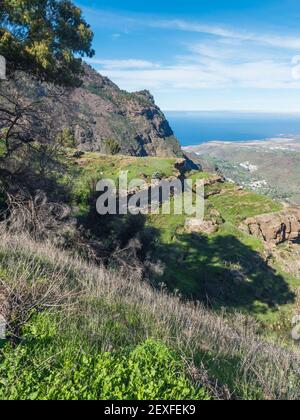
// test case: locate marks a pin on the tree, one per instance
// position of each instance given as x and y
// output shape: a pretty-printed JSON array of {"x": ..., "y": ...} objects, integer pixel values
[
  {"x": 45, "y": 38},
  {"x": 43, "y": 42},
  {"x": 66, "y": 138},
  {"x": 112, "y": 147}
]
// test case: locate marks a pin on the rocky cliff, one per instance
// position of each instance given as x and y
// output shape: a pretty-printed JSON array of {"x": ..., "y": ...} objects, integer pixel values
[{"x": 99, "y": 112}]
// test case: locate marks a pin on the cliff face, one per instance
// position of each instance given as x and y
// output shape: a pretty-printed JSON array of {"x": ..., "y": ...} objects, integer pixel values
[{"x": 100, "y": 111}]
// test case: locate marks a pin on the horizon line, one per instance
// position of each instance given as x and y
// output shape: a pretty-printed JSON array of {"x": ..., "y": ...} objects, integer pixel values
[{"x": 232, "y": 110}]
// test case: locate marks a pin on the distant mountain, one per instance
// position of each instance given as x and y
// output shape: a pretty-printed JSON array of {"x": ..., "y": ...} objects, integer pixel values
[{"x": 99, "y": 111}]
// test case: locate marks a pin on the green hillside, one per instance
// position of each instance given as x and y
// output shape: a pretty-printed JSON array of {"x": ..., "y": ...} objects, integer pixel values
[
  {"x": 138, "y": 306},
  {"x": 226, "y": 268}
]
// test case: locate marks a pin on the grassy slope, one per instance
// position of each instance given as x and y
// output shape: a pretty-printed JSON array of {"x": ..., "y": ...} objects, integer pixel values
[
  {"x": 84, "y": 173},
  {"x": 226, "y": 268},
  {"x": 223, "y": 269},
  {"x": 122, "y": 339},
  {"x": 101, "y": 345}
]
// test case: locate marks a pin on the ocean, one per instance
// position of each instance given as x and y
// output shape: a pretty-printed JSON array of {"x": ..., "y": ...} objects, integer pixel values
[{"x": 193, "y": 128}]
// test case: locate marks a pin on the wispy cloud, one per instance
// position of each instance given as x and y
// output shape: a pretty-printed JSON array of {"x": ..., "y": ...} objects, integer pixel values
[
  {"x": 292, "y": 43},
  {"x": 205, "y": 66},
  {"x": 211, "y": 74},
  {"x": 123, "y": 64},
  {"x": 221, "y": 58},
  {"x": 121, "y": 21}
]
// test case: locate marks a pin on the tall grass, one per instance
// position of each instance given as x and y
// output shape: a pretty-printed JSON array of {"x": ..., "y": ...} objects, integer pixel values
[{"x": 115, "y": 309}]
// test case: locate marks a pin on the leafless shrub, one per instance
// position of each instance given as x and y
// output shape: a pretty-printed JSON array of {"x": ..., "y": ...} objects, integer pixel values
[
  {"x": 43, "y": 219},
  {"x": 24, "y": 112},
  {"x": 27, "y": 291},
  {"x": 34, "y": 214}
]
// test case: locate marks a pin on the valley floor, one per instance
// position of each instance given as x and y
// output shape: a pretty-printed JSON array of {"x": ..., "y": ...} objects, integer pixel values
[{"x": 268, "y": 167}]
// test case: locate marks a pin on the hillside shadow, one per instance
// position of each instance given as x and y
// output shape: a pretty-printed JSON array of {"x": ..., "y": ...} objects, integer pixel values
[{"x": 220, "y": 271}]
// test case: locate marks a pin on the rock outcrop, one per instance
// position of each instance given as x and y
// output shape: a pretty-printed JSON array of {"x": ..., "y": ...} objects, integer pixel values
[
  {"x": 276, "y": 228},
  {"x": 206, "y": 227}
]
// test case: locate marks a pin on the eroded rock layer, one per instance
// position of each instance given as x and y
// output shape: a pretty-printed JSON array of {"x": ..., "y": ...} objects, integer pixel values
[{"x": 276, "y": 228}]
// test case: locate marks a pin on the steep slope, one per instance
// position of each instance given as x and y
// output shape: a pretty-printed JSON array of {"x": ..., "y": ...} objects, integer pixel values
[
  {"x": 217, "y": 261},
  {"x": 120, "y": 335},
  {"x": 99, "y": 111},
  {"x": 97, "y": 117},
  {"x": 116, "y": 314}
]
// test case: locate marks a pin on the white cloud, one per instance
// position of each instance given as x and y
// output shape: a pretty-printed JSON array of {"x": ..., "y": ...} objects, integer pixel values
[
  {"x": 227, "y": 59},
  {"x": 210, "y": 73},
  {"x": 123, "y": 64},
  {"x": 107, "y": 19},
  {"x": 288, "y": 42},
  {"x": 230, "y": 50}
]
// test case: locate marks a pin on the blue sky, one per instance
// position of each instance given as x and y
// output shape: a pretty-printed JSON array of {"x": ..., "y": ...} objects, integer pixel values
[{"x": 201, "y": 55}]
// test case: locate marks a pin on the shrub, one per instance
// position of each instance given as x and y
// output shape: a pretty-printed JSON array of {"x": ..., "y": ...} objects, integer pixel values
[
  {"x": 112, "y": 147},
  {"x": 66, "y": 138}
]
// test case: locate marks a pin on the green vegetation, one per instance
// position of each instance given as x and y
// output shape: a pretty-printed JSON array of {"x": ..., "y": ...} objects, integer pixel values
[
  {"x": 45, "y": 39},
  {"x": 50, "y": 367},
  {"x": 225, "y": 268},
  {"x": 236, "y": 207},
  {"x": 64, "y": 353},
  {"x": 112, "y": 147},
  {"x": 66, "y": 139},
  {"x": 196, "y": 175},
  {"x": 110, "y": 167},
  {"x": 123, "y": 307},
  {"x": 93, "y": 167},
  {"x": 137, "y": 344}
]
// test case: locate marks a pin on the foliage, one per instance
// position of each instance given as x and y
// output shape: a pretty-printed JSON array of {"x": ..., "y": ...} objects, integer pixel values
[
  {"x": 33, "y": 371},
  {"x": 92, "y": 167},
  {"x": 66, "y": 138},
  {"x": 44, "y": 38},
  {"x": 235, "y": 207},
  {"x": 111, "y": 325},
  {"x": 112, "y": 147}
]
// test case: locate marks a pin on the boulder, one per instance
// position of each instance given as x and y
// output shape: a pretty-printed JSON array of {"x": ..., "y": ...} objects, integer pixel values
[
  {"x": 206, "y": 227},
  {"x": 276, "y": 228}
]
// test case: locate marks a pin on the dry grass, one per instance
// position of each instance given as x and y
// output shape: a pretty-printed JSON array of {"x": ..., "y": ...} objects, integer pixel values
[{"x": 261, "y": 368}]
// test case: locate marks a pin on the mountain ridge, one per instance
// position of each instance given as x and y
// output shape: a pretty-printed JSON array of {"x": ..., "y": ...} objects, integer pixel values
[{"x": 100, "y": 111}]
